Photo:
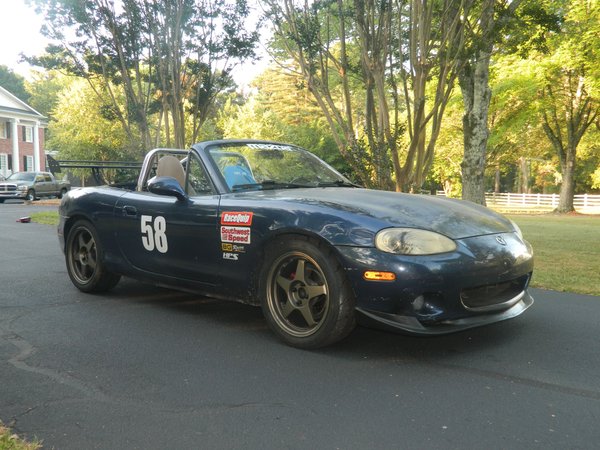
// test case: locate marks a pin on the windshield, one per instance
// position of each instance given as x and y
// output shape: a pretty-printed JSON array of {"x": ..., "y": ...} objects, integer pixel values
[
  {"x": 255, "y": 166},
  {"x": 21, "y": 176}
]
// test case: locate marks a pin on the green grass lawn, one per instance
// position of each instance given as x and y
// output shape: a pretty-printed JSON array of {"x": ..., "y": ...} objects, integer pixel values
[{"x": 566, "y": 249}]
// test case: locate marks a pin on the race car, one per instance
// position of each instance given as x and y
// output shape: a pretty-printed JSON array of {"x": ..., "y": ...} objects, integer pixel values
[{"x": 272, "y": 225}]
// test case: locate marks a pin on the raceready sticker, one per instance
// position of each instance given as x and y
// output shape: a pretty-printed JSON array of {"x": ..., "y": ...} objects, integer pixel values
[
  {"x": 235, "y": 235},
  {"x": 236, "y": 218}
]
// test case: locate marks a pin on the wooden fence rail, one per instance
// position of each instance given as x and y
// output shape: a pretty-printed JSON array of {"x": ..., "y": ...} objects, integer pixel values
[{"x": 545, "y": 202}]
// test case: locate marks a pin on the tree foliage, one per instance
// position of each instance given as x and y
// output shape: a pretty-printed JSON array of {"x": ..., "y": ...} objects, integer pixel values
[
  {"x": 13, "y": 83},
  {"x": 570, "y": 88},
  {"x": 166, "y": 57}
]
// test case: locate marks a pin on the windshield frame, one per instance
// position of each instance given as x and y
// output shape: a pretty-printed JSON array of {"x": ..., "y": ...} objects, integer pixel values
[{"x": 205, "y": 151}]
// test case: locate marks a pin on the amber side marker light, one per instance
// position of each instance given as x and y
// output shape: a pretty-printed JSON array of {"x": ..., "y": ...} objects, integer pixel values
[{"x": 373, "y": 275}]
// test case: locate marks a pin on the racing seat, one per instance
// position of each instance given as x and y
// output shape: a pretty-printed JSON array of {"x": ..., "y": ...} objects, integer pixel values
[
  {"x": 170, "y": 166},
  {"x": 238, "y": 175}
]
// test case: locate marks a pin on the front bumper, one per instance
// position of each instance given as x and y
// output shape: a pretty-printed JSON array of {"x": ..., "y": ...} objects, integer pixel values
[
  {"x": 484, "y": 281},
  {"x": 13, "y": 195},
  {"x": 411, "y": 325}
]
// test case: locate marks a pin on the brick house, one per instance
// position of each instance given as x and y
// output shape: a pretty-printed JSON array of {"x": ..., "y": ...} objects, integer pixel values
[{"x": 21, "y": 136}]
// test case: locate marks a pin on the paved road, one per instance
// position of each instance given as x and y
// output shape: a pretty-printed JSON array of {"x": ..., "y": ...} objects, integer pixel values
[{"x": 148, "y": 368}]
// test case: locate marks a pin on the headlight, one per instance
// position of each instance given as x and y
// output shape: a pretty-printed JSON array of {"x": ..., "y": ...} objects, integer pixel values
[
  {"x": 22, "y": 187},
  {"x": 517, "y": 229},
  {"x": 410, "y": 241}
]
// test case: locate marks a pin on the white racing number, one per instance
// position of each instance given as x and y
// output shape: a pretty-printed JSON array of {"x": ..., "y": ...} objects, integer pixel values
[{"x": 154, "y": 233}]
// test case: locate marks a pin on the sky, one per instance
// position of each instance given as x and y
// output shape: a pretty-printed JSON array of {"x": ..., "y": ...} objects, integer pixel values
[{"x": 20, "y": 33}]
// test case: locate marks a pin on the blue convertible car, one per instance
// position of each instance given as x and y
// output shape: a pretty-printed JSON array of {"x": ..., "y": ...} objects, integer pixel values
[{"x": 270, "y": 224}]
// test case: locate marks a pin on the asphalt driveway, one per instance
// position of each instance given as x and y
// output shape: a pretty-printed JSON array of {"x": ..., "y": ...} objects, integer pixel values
[{"x": 148, "y": 368}]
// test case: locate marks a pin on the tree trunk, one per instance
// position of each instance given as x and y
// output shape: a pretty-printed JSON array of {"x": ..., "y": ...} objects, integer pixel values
[
  {"x": 474, "y": 85},
  {"x": 473, "y": 82},
  {"x": 567, "y": 188}
]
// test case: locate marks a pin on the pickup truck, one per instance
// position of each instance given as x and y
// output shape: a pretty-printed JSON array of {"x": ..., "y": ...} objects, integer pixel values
[{"x": 32, "y": 185}]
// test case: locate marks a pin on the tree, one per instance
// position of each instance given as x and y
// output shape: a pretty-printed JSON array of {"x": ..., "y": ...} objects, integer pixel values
[
  {"x": 45, "y": 88},
  {"x": 570, "y": 93},
  {"x": 350, "y": 50},
  {"x": 13, "y": 83},
  {"x": 485, "y": 22},
  {"x": 80, "y": 131},
  {"x": 158, "y": 55}
]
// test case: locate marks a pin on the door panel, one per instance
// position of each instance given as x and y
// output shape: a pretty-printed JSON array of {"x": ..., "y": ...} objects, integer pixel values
[{"x": 162, "y": 235}]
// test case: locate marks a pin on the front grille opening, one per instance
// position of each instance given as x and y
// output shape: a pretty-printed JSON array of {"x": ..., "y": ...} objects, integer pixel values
[{"x": 494, "y": 296}]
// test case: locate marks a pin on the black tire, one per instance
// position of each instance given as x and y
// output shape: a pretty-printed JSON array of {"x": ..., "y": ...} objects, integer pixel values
[
  {"x": 62, "y": 192},
  {"x": 305, "y": 295},
  {"x": 30, "y": 195},
  {"x": 2, "y": 200},
  {"x": 85, "y": 263}
]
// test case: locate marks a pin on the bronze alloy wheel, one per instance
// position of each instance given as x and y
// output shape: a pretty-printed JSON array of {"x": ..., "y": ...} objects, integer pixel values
[
  {"x": 298, "y": 294},
  {"x": 83, "y": 255},
  {"x": 306, "y": 298},
  {"x": 85, "y": 260}
]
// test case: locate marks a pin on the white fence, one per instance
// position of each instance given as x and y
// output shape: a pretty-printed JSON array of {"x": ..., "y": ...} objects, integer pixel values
[
  {"x": 585, "y": 203},
  {"x": 542, "y": 201}
]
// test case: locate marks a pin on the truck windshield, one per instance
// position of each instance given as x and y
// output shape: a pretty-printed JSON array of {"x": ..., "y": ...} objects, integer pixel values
[
  {"x": 260, "y": 166},
  {"x": 21, "y": 176}
]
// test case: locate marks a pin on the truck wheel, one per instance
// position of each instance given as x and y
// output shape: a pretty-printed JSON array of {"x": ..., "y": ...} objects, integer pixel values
[
  {"x": 305, "y": 295},
  {"x": 62, "y": 192},
  {"x": 85, "y": 260},
  {"x": 30, "y": 195}
]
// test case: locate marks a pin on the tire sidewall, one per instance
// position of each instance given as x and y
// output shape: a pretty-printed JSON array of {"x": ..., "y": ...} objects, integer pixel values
[{"x": 339, "y": 319}]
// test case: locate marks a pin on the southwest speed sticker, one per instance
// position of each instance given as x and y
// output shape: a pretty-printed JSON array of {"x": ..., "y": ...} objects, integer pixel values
[
  {"x": 236, "y": 218},
  {"x": 235, "y": 235}
]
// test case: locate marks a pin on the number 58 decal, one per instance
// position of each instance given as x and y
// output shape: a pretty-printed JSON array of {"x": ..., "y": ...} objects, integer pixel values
[{"x": 154, "y": 233}]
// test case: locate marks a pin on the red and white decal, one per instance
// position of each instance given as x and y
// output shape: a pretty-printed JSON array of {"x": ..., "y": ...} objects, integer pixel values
[
  {"x": 235, "y": 235},
  {"x": 236, "y": 218}
]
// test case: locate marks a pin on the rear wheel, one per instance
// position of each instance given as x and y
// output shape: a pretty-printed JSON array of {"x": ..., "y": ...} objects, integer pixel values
[
  {"x": 306, "y": 298},
  {"x": 85, "y": 262},
  {"x": 62, "y": 192}
]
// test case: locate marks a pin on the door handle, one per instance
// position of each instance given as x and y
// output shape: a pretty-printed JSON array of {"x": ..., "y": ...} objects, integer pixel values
[{"x": 129, "y": 211}]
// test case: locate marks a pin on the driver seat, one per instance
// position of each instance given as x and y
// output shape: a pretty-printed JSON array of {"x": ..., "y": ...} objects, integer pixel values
[{"x": 170, "y": 166}]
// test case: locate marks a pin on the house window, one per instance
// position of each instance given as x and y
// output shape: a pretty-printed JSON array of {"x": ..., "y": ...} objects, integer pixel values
[
  {"x": 27, "y": 133},
  {"x": 3, "y": 164},
  {"x": 28, "y": 160},
  {"x": 4, "y": 130}
]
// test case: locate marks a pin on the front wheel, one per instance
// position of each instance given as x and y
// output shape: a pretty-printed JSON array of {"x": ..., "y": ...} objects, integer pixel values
[
  {"x": 30, "y": 195},
  {"x": 85, "y": 263},
  {"x": 306, "y": 297}
]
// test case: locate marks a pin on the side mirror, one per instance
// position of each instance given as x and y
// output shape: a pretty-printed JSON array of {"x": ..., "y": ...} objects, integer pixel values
[{"x": 166, "y": 186}]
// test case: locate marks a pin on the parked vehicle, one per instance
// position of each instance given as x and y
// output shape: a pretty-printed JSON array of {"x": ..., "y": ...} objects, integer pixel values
[
  {"x": 270, "y": 224},
  {"x": 32, "y": 185}
]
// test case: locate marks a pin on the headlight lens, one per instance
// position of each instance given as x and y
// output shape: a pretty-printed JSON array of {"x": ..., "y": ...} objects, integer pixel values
[
  {"x": 410, "y": 241},
  {"x": 22, "y": 187}
]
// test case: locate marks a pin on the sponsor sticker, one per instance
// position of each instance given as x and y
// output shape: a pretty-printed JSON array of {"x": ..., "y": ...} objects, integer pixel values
[
  {"x": 236, "y": 218},
  {"x": 235, "y": 235},
  {"x": 227, "y": 247},
  {"x": 231, "y": 256}
]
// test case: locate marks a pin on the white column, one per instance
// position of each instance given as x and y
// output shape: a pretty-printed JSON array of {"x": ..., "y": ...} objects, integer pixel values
[
  {"x": 16, "y": 157},
  {"x": 36, "y": 147}
]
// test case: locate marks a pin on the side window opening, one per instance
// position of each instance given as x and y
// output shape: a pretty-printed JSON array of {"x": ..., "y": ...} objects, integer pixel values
[{"x": 198, "y": 182}]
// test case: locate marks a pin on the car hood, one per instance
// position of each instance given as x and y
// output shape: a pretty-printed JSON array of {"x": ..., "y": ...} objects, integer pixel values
[{"x": 456, "y": 219}]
